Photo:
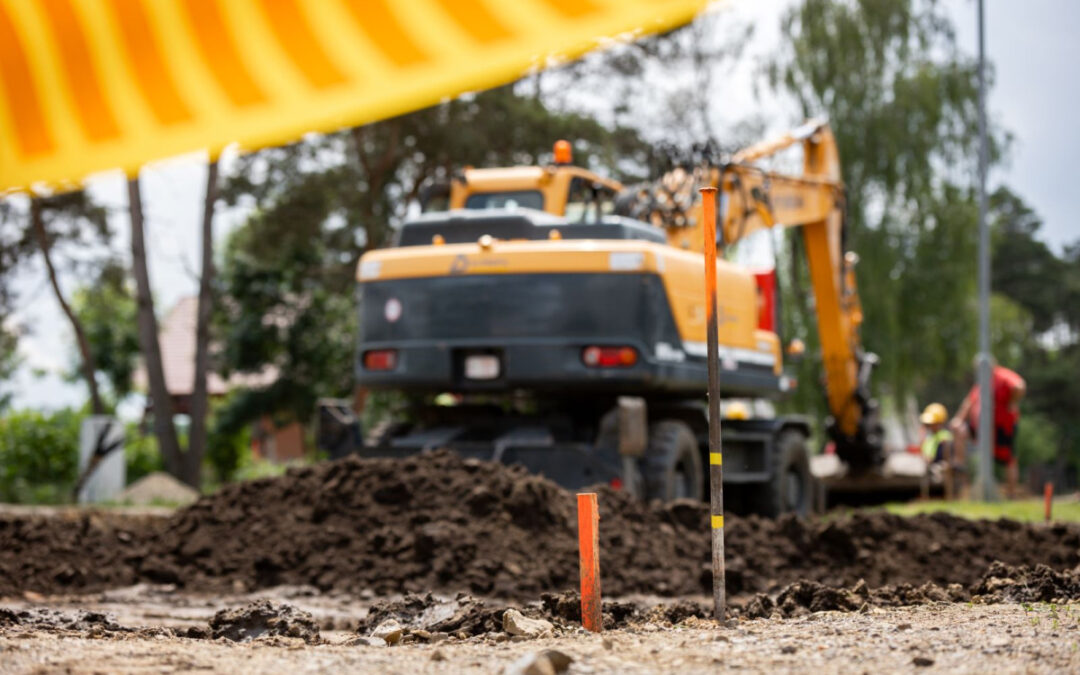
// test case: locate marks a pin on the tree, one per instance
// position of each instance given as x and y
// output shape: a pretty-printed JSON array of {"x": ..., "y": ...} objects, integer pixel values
[
  {"x": 1025, "y": 268},
  {"x": 107, "y": 310},
  {"x": 76, "y": 203},
  {"x": 1035, "y": 315},
  {"x": 661, "y": 87},
  {"x": 9, "y": 359},
  {"x": 902, "y": 102},
  {"x": 12, "y": 255},
  {"x": 199, "y": 398},
  {"x": 161, "y": 402},
  {"x": 42, "y": 224}
]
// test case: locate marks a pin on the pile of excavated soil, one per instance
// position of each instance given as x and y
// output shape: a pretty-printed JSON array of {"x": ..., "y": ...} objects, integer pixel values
[
  {"x": 55, "y": 553},
  {"x": 435, "y": 522}
]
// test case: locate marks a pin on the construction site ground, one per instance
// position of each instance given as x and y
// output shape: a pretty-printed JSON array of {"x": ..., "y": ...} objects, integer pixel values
[
  {"x": 954, "y": 637},
  {"x": 435, "y": 564}
]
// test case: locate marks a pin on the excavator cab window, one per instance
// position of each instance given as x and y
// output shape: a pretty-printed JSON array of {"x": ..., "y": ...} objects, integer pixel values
[
  {"x": 521, "y": 199},
  {"x": 587, "y": 200}
]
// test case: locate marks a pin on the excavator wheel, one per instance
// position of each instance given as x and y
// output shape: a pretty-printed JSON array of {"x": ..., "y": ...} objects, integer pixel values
[
  {"x": 671, "y": 466},
  {"x": 791, "y": 489}
]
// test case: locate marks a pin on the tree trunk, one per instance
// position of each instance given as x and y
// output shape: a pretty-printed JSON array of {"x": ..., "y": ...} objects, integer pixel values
[
  {"x": 199, "y": 397},
  {"x": 148, "y": 342},
  {"x": 89, "y": 368}
]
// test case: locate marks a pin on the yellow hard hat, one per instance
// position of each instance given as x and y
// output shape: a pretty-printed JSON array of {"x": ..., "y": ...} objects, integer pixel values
[{"x": 935, "y": 413}]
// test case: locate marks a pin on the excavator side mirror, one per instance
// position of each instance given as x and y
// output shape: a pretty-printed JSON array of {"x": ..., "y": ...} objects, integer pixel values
[{"x": 795, "y": 350}]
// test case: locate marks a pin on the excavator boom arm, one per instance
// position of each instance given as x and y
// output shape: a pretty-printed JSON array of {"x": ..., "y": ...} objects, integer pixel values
[{"x": 758, "y": 199}]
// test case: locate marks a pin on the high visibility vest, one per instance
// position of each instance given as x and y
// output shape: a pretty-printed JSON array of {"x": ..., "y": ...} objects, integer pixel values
[{"x": 932, "y": 441}]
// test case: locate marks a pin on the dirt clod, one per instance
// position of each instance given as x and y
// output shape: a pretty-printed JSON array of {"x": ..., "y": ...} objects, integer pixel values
[
  {"x": 44, "y": 618},
  {"x": 435, "y": 618},
  {"x": 1040, "y": 583},
  {"x": 264, "y": 618}
]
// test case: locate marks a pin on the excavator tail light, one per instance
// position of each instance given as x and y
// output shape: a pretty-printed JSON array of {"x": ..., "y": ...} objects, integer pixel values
[
  {"x": 609, "y": 357},
  {"x": 380, "y": 359}
]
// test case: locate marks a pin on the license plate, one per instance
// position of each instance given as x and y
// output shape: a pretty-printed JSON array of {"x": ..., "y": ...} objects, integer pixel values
[{"x": 481, "y": 367}]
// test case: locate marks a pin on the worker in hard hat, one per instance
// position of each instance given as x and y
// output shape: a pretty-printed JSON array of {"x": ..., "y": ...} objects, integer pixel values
[{"x": 937, "y": 444}]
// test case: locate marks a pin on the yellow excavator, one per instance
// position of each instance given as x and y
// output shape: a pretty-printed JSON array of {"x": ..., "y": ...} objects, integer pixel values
[{"x": 553, "y": 318}]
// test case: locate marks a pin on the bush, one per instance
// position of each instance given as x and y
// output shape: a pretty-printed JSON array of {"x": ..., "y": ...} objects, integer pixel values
[
  {"x": 227, "y": 449},
  {"x": 39, "y": 455},
  {"x": 1037, "y": 440},
  {"x": 140, "y": 453}
]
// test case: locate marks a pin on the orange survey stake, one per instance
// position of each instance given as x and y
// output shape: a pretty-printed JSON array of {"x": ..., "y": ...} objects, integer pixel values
[
  {"x": 588, "y": 544},
  {"x": 1048, "y": 499}
]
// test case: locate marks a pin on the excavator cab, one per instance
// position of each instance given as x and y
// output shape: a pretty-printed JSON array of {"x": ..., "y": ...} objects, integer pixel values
[{"x": 559, "y": 188}]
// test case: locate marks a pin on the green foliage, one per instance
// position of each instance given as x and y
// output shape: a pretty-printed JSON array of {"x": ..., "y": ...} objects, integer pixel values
[
  {"x": 107, "y": 310},
  {"x": 9, "y": 361},
  {"x": 140, "y": 453},
  {"x": 1037, "y": 439},
  {"x": 902, "y": 103},
  {"x": 14, "y": 250},
  {"x": 901, "y": 100},
  {"x": 1035, "y": 329},
  {"x": 1025, "y": 269},
  {"x": 38, "y": 455},
  {"x": 227, "y": 450},
  {"x": 251, "y": 468}
]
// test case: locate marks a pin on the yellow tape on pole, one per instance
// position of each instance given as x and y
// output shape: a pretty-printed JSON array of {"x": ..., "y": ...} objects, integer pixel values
[{"x": 89, "y": 85}]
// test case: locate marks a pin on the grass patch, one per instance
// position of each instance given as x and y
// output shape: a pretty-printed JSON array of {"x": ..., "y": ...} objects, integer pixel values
[{"x": 1024, "y": 510}]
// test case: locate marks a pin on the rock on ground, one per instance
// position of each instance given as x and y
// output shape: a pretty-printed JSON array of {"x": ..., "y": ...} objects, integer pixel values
[{"x": 515, "y": 623}]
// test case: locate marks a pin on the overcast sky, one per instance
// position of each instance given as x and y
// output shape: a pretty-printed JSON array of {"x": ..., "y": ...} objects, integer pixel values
[{"x": 1032, "y": 45}]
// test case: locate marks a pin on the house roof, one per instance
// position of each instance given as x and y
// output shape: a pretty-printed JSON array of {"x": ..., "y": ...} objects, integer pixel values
[{"x": 176, "y": 334}]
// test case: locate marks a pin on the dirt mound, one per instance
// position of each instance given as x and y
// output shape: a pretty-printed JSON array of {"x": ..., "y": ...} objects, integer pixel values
[
  {"x": 264, "y": 618},
  {"x": 436, "y": 522},
  {"x": 430, "y": 522},
  {"x": 884, "y": 549},
  {"x": 158, "y": 488},
  {"x": 56, "y": 553},
  {"x": 1004, "y": 583}
]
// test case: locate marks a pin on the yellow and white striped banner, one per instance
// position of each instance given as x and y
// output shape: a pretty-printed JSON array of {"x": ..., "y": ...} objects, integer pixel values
[{"x": 88, "y": 85}]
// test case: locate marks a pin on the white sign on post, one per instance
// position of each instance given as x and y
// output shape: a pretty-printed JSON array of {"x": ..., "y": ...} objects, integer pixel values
[{"x": 102, "y": 434}]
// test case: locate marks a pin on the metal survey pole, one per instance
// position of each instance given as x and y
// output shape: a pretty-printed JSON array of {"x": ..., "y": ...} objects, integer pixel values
[
  {"x": 716, "y": 468},
  {"x": 986, "y": 396}
]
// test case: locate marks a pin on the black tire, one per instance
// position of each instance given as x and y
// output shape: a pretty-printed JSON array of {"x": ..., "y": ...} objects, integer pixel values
[
  {"x": 671, "y": 466},
  {"x": 791, "y": 489}
]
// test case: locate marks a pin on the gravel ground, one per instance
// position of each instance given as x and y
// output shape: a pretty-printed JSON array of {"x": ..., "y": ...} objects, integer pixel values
[{"x": 952, "y": 637}]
